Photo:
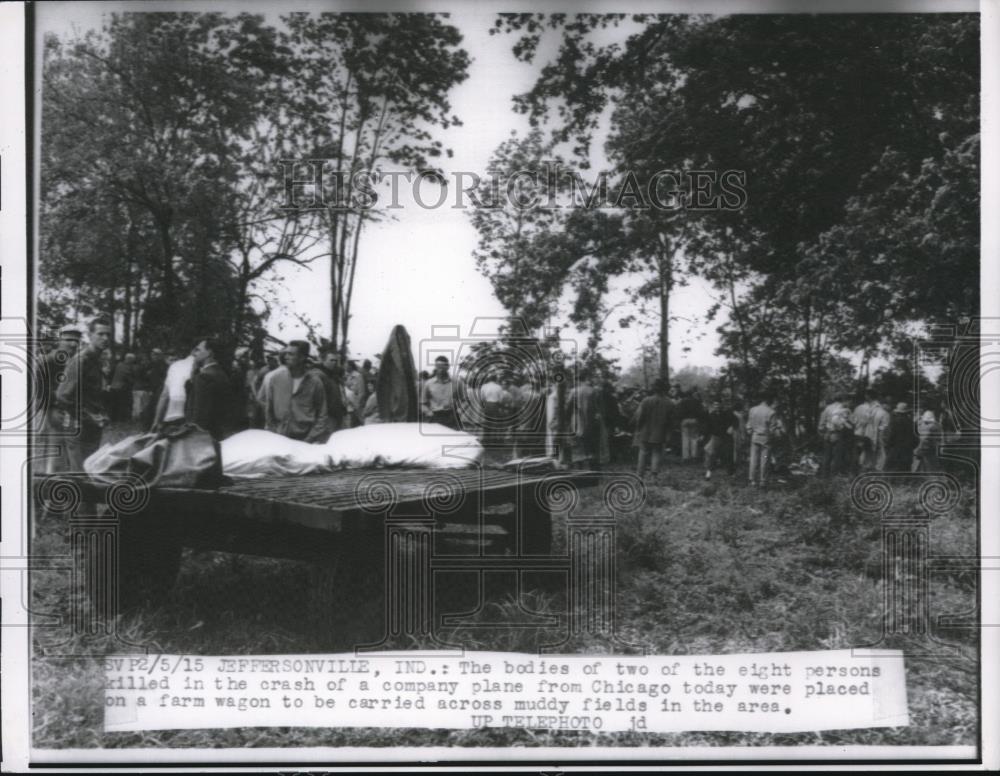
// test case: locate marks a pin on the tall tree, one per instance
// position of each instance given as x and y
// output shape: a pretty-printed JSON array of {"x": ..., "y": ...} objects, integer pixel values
[
  {"x": 367, "y": 91},
  {"x": 156, "y": 128}
]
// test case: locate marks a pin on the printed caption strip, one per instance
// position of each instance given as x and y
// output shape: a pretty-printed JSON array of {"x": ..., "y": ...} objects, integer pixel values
[{"x": 766, "y": 692}]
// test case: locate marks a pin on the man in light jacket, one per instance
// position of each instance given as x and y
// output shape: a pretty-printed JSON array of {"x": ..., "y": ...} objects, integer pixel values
[
  {"x": 760, "y": 426},
  {"x": 294, "y": 397}
]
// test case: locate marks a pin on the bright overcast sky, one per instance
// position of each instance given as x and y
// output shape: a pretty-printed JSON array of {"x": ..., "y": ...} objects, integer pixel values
[{"x": 418, "y": 270}]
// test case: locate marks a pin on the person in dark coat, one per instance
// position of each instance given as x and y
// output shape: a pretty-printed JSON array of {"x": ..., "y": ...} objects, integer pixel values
[
  {"x": 718, "y": 427},
  {"x": 211, "y": 395},
  {"x": 901, "y": 440},
  {"x": 692, "y": 414},
  {"x": 652, "y": 427},
  {"x": 333, "y": 380},
  {"x": 50, "y": 421}
]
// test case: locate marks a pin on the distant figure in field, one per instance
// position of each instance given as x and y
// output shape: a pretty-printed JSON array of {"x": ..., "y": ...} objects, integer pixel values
[
  {"x": 760, "y": 426},
  {"x": 835, "y": 428},
  {"x": 692, "y": 415},
  {"x": 901, "y": 440},
  {"x": 718, "y": 433},
  {"x": 864, "y": 434},
  {"x": 652, "y": 426},
  {"x": 740, "y": 439},
  {"x": 925, "y": 457},
  {"x": 122, "y": 384},
  {"x": 878, "y": 430},
  {"x": 585, "y": 447}
]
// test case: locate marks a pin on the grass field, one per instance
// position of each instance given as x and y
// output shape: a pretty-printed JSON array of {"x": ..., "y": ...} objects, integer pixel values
[{"x": 703, "y": 568}]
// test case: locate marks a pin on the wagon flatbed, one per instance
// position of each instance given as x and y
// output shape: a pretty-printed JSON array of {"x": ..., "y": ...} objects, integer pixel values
[{"x": 357, "y": 515}]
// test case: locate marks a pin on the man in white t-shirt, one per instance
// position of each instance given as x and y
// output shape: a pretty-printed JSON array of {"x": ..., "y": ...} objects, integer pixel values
[{"x": 173, "y": 397}]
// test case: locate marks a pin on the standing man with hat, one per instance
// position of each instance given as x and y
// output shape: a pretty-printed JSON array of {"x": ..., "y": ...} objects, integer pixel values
[
  {"x": 50, "y": 419},
  {"x": 81, "y": 395}
]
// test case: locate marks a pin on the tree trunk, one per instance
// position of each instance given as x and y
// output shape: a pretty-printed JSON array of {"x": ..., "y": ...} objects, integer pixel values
[
  {"x": 127, "y": 314},
  {"x": 167, "y": 248},
  {"x": 666, "y": 284},
  {"x": 808, "y": 414},
  {"x": 111, "y": 310}
]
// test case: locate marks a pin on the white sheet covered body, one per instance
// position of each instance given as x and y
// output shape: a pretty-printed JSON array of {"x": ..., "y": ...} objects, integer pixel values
[
  {"x": 255, "y": 453},
  {"x": 420, "y": 445}
]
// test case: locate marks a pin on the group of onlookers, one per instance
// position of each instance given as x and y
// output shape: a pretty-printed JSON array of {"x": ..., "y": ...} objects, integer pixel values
[
  {"x": 570, "y": 415},
  {"x": 81, "y": 390},
  {"x": 672, "y": 419},
  {"x": 880, "y": 434},
  {"x": 295, "y": 395}
]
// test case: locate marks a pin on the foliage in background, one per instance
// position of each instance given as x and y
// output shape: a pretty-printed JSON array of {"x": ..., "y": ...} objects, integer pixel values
[
  {"x": 858, "y": 136},
  {"x": 163, "y": 196}
]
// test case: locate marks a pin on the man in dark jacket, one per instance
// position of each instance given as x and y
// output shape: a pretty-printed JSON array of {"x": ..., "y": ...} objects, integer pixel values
[
  {"x": 50, "y": 423},
  {"x": 692, "y": 414},
  {"x": 333, "y": 381},
  {"x": 718, "y": 426},
  {"x": 211, "y": 396},
  {"x": 81, "y": 396},
  {"x": 901, "y": 439}
]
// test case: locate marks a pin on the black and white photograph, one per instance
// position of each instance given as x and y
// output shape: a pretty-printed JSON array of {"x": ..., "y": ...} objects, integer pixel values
[{"x": 429, "y": 383}]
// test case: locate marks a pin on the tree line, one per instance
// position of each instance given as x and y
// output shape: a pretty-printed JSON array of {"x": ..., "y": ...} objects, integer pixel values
[
  {"x": 165, "y": 143},
  {"x": 858, "y": 139}
]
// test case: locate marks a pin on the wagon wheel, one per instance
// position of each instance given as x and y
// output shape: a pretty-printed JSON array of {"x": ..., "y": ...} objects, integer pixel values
[{"x": 126, "y": 562}]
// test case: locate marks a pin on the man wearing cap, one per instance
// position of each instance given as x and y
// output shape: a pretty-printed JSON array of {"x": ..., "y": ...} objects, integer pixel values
[
  {"x": 48, "y": 376},
  {"x": 81, "y": 396},
  {"x": 437, "y": 397}
]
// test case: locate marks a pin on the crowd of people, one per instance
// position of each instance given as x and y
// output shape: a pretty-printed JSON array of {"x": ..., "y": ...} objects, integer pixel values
[
  {"x": 81, "y": 390},
  {"x": 572, "y": 415}
]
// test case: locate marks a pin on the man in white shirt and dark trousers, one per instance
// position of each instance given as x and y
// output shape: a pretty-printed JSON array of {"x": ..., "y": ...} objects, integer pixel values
[{"x": 437, "y": 397}]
